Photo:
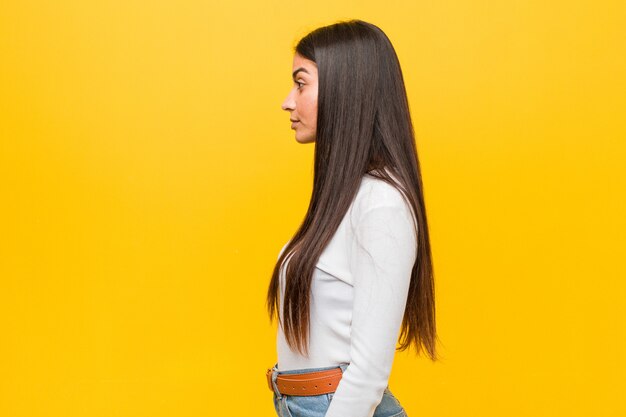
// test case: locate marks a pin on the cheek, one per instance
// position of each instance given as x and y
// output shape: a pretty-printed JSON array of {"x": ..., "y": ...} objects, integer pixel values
[{"x": 311, "y": 107}]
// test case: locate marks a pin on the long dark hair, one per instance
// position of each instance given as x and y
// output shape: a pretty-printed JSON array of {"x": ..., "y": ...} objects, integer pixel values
[{"x": 363, "y": 126}]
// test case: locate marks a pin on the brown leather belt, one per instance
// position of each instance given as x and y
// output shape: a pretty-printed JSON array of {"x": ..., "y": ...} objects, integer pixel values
[{"x": 311, "y": 383}]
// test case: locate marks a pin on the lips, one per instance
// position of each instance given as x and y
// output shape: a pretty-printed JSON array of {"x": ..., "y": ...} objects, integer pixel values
[{"x": 293, "y": 124}]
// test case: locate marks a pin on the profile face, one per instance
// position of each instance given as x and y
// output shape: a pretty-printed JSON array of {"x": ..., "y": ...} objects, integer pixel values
[{"x": 301, "y": 103}]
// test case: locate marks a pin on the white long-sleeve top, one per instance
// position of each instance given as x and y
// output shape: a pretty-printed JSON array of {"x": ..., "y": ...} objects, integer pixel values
[{"x": 358, "y": 296}]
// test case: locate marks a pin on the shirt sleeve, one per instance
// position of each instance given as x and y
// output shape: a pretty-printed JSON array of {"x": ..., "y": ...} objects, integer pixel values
[{"x": 382, "y": 255}]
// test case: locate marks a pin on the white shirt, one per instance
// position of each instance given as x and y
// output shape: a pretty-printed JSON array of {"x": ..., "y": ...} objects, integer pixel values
[{"x": 358, "y": 296}]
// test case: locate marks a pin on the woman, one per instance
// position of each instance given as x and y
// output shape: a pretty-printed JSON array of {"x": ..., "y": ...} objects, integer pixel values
[{"x": 357, "y": 271}]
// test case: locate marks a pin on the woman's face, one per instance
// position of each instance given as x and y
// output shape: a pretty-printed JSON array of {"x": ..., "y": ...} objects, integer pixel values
[{"x": 301, "y": 103}]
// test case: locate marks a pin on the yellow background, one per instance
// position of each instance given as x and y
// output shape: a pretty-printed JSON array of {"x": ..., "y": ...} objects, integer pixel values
[{"x": 149, "y": 179}]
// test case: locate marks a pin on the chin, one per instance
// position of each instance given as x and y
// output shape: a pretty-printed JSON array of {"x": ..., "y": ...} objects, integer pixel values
[{"x": 305, "y": 140}]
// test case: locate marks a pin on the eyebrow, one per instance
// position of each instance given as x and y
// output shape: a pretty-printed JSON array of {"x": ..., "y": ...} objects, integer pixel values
[{"x": 297, "y": 71}]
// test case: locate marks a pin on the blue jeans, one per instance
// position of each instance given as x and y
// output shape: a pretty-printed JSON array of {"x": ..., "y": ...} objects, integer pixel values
[{"x": 317, "y": 405}]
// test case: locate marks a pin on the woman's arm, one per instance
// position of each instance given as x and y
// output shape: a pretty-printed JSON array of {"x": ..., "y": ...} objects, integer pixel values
[{"x": 383, "y": 253}]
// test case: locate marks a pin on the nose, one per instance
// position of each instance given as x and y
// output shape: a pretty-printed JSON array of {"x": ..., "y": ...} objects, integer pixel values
[{"x": 288, "y": 103}]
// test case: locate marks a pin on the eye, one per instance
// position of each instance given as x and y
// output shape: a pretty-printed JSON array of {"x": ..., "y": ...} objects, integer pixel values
[{"x": 299, "y": 84}]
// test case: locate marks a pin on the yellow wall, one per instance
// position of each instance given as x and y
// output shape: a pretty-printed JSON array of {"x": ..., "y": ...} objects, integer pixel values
[{"x": 149, "y": 179}]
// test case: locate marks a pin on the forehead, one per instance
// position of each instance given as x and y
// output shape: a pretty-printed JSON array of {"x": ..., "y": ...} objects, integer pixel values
[{"x": 301, "y": 62}]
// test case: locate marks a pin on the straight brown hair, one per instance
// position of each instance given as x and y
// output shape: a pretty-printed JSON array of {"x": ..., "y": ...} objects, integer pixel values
[{"x": 363, "y": 126}]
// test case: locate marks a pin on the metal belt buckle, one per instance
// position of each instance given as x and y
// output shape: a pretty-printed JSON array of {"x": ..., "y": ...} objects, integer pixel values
[{"x": 268, "y": 374}]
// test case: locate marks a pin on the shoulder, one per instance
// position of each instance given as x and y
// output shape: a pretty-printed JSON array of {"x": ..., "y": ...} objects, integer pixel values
[
  {"x": 383, "y": 220},
  {"x": 376, "y": 193}
]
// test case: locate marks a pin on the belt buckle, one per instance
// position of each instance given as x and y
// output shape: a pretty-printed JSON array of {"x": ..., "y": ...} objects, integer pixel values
[{"x": 268, "y": 375}]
